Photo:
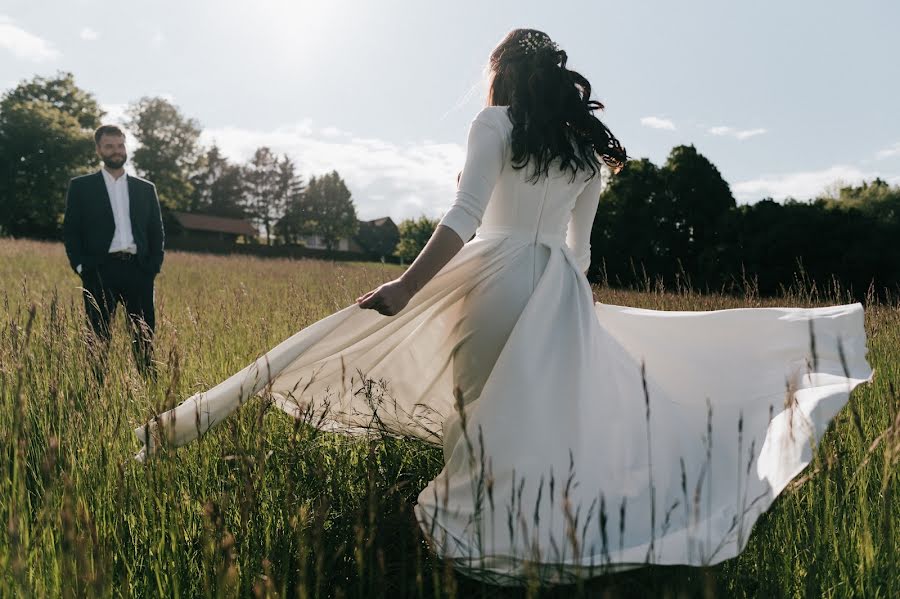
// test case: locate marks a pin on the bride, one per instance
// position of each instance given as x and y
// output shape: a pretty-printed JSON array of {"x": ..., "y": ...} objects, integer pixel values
[{"x": 578, "y": 437}]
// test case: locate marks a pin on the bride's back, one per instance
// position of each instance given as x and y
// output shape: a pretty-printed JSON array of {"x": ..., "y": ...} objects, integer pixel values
[
  {"x": 494, "y": 197},
  {"x": 544, "y": 207}
]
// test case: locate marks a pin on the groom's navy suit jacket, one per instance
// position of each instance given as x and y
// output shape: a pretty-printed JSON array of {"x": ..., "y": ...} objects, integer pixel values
[{"x": 89, "y": 226}]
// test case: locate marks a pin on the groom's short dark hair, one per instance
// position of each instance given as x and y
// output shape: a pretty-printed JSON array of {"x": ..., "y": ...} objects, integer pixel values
[{"x": 107, "y": 130}]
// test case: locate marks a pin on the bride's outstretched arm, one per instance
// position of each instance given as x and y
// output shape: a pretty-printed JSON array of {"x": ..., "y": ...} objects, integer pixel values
[
  {"x": 390, "y": 298},
  {"x": 484, "y": 161},
  {"x": 443, "y": 245}
]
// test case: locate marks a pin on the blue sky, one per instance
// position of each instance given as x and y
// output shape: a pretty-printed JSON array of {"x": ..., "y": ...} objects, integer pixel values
[{"x": 784, "y": 97}]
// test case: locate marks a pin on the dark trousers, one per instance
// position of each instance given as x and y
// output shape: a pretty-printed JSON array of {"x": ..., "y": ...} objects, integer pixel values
[{"x": 121, "y": 281}]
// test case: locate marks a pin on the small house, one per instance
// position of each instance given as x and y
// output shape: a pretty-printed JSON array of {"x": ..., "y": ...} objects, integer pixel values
[{"x": 206, "y": 232}]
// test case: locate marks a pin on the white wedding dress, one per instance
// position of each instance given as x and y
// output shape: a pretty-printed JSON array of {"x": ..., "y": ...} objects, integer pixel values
[{"x": 566, "y": 460}]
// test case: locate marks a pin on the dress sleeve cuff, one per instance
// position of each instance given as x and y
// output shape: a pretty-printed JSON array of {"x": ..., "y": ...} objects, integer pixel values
[{"x": 460, "y": 221}]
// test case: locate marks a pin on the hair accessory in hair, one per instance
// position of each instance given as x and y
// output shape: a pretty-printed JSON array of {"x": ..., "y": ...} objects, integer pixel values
[{"x": 533, "y": 42}]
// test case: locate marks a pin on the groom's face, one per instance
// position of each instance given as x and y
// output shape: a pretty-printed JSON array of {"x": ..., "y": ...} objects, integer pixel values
[{"x": 111, "y": 150}]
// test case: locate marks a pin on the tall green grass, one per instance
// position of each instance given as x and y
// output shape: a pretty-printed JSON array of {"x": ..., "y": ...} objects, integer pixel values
[{"x": 267, "y": 506}]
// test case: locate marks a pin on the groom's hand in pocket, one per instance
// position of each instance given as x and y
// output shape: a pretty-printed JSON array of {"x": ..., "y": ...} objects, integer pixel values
[{"x": 388, "y": 299}]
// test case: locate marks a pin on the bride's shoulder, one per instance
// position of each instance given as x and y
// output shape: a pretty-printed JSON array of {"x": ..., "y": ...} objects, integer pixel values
[{"x": 495, "y": 116}]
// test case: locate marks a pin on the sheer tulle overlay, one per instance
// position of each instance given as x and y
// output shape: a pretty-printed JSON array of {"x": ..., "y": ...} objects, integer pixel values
[{"x": 578, "y": 437}]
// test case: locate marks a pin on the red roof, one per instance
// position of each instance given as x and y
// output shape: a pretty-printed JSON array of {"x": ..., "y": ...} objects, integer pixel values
[{"x": 218, "y": 224}]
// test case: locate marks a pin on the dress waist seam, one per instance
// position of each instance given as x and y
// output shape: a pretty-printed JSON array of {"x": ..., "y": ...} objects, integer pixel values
[{"x": 494, "y": 231}]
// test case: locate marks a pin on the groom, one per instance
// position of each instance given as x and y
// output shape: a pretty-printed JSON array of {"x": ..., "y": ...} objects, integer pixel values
[{"x": 113, "y": 235}]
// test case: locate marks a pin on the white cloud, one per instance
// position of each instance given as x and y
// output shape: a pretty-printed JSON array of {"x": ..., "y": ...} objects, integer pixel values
[
  {"x": 400, "y": 180},
  {"x": 88, "y": 34},
  {"x": 803, "y": 185},
  {"x": 333, "y": 132},
  {"x": 23, "y": 44},
  {"x": 740, "y": 134},
  {"x": 894, "y": 150},
  {"x": 655, "y": 122}
]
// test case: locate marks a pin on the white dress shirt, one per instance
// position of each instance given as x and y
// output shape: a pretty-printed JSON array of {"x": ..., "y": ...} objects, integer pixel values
[{"x": 123, "y": 238}]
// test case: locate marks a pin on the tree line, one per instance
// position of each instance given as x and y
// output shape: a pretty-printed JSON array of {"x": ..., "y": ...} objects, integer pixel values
[
  {"x": 45, "y": 139},
  {"x": 675, "y": 225},
  {"x": 679, "y": 225}
]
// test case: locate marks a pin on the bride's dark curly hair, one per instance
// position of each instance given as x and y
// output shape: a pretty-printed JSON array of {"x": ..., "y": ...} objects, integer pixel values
[{"x": 550, "y": 108}]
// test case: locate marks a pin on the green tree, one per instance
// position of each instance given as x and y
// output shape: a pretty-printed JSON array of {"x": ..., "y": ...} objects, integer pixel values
[
  {"x": 414, "y": 234},
  {"x": 634, "y": 228},
  {"x": 877, "y": 199},
  {"x": 701, "y": 203},
  {"x": 290, "y": 190},
  {"x": 264, "y": 199},
  {"x": 328, "y": 209},
  {"x": 218, "y": 186},
  {"x": 775, "y": 240},
  {"x": 46, "y": 127},
  {"x": 63, "y": 94},
  {"x": 169, "y": 151}
]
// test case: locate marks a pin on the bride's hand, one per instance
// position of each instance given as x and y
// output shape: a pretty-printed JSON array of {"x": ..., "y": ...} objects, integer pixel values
[{"x": 388, "y": 299}]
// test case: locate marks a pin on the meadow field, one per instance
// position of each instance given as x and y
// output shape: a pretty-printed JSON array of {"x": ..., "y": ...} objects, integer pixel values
[{"x": 267, "y": 506}]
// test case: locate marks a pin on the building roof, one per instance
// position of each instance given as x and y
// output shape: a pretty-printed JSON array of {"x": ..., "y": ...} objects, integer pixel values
[
  {"x": 379, "y": 221},
  {"x": 218, "y": 224}
]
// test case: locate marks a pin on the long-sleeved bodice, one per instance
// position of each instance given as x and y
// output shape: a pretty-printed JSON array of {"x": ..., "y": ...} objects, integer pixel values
[{"x": 495, "y": 197}]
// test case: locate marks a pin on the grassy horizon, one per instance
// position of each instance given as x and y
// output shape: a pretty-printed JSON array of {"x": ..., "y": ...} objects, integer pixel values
[{"x": 265, "y": 506}]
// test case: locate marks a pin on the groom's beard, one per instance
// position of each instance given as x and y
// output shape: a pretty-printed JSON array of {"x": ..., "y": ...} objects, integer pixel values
[{"x": 115, "y": 161}]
